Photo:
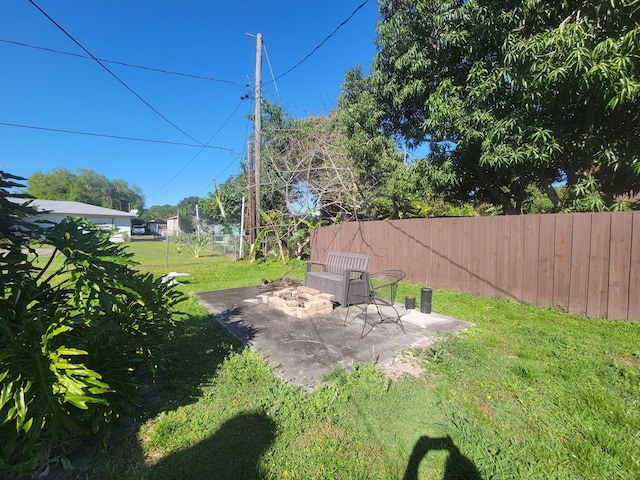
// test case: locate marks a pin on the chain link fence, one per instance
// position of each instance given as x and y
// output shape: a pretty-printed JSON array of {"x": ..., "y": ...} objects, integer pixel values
[{"x": 194, "y": 244}]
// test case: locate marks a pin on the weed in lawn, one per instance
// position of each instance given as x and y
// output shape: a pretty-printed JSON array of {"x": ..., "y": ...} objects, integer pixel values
[{"x": 435, "y": 354}]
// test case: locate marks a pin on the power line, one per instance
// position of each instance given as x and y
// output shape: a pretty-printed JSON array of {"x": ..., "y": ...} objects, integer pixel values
[
  {"x": 317, "y": 47},
  {"x": 115, "y": 76},
  {"x": 281, "y": 101},
  {"x": 198, "y": 153},
  {"x": 219, "y": 174},
  {"x": 130, "y": 65},
  {"x": 275, "y": 85},
  {"x": 246, "y": 135},
  {"x": 118, "y": 137}
]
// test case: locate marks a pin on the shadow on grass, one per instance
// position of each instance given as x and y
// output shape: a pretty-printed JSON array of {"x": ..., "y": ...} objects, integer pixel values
[
  {"x": 184, "y": 365},
  {"x": 191, "y": 360},
  {"x": 457, "y": 467},
  {"x": 233, "y": 452}
]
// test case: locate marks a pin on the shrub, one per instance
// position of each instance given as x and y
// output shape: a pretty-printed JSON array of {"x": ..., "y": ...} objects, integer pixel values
[
  {"x": 74, "y": 331},
  {"x": 195, "y": 242}
]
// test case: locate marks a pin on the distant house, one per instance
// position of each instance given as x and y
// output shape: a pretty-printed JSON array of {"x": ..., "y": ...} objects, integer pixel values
[{"x": 106, "y": 218}]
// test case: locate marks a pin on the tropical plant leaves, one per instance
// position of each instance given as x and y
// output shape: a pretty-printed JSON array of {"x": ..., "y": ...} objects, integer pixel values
[{"x": 73, "y": 329}]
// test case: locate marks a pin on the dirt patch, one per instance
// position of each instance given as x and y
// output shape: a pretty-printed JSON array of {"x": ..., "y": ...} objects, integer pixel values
[
  {"x": 406, "y": 363},
  {"x": 628, "y": 360}
]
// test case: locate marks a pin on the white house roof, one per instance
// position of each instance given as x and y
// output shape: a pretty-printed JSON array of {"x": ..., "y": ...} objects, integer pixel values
[{"x": 74, "y": 209}]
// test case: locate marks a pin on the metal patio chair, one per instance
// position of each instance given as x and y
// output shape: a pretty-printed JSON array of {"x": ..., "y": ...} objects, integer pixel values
[{"x": 381, "y": 295}]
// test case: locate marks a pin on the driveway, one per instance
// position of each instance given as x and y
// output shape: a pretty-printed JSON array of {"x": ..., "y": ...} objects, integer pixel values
[{"x": 302, "y": 351}]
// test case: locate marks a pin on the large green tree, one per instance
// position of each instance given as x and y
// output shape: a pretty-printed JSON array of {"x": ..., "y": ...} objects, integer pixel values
[
  {"x": 159, "y": 212},
  {"x": 387, "y": 184},
  {"x": 515, "y": 95},
  {"x": 87, "y": 186},
  {"x": 340, "y": 165},
  {"x": 187, "y": 214}
]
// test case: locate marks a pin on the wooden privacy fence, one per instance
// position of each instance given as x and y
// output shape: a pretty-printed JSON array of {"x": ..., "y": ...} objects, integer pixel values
[{"x": 585, "y": 263}]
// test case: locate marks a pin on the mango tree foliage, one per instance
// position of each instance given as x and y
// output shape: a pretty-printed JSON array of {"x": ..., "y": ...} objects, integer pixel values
[
  {"x": 516, "y": 95},
  {"x": 76, "y": 328},
  {"x": 386, "y": 183}
]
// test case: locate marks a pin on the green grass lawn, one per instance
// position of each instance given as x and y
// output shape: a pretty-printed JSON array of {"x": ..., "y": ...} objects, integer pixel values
[{"x": 527, "y": 393}]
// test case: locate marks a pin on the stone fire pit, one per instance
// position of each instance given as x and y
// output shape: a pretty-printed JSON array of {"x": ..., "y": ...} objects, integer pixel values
[{"x": 301, "y": 302}]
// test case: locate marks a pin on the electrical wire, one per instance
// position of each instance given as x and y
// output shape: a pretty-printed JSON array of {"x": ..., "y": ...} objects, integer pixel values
[
  {"x": 198, "y": 153},
  {"x": 239, "y": 157},
  {"x": 129, "y": 65},
  {"x": 282, "y": 102},
  {"x": 275, "y": 85},
  {"x": 114, "y": 75},
  {"x": 219, "y": 174},
  {"x": 118, "y": 137},
  {"x": 317, "y": 47}
]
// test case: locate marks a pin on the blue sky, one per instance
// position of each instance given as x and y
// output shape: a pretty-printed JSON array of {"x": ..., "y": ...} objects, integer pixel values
[{"x": 53, "y": 90}]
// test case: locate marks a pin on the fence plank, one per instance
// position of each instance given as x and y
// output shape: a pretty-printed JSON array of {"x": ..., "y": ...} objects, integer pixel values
[
  {"x": 634, "y": 274},
  {"x": 546, "y": 254},
  {"x": 424, "y": 252},
  {"x": 503, "y": 256},
  {"x": 562, "y": 261},
  {"x": 398, "y": 250},
  {"x": 477, "y": 260},
  {"x": 579, "y": 278},
  {"x": 440, "y": 260},
  {"x": 530, "y": 254},
  {"x": 491, "y": 256},
  {"x": 456, "y": 255},
  {"x": 620, "y": 265},
  {"x": 381, "y": 250},
  {"x": 466, "y": 258},
  {"x": 599, "y": 265},
  {"x": 516, "y": 246},
  {"x": 408, "y": 252}
]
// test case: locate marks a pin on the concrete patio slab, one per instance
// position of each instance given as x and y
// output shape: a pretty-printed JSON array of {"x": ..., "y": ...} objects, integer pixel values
[{"x": 302, "y": 351}]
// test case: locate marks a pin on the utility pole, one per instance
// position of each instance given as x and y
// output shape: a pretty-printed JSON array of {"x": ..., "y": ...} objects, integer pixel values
[
  {"x": 239, "y": 256},
  {"x": 197, "y": 220},
  {"x": 251, "y": 208},
  {"x": 258, "y": 127}
]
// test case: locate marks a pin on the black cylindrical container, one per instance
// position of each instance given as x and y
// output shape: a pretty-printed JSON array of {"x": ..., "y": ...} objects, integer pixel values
[
  {"x": 425, "y": 300},
  {"x": 409, "y": 302}
]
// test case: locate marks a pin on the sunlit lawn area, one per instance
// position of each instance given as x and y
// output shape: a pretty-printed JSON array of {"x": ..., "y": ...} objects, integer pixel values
[{"x": 527, "y": 393}]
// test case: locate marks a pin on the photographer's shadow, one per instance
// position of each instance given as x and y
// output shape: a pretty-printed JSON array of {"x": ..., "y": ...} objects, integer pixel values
[
  {"x": 457, "y": 467},
  {"x": 234, "y": 451}
]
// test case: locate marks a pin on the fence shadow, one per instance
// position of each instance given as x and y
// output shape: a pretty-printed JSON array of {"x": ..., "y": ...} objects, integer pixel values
[
  {"x": 457, "y": 467},
  {"x": 494, "y": 287}
]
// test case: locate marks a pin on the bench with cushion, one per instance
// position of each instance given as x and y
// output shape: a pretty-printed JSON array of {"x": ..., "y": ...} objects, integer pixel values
[{"x": 341, "y": 269}]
